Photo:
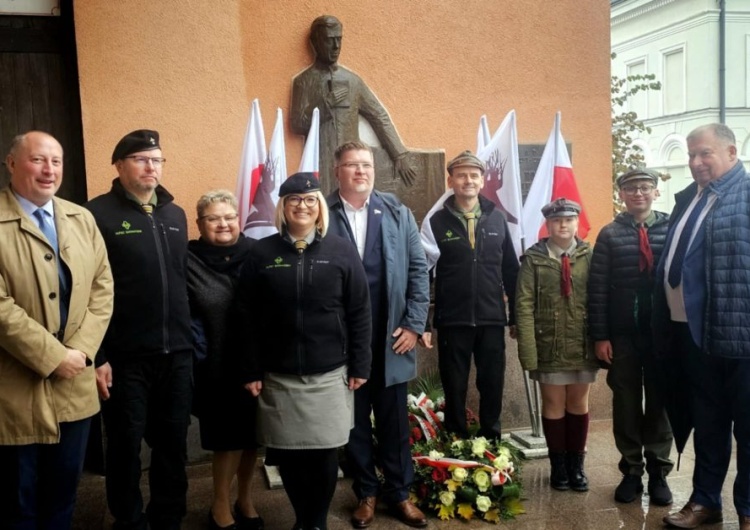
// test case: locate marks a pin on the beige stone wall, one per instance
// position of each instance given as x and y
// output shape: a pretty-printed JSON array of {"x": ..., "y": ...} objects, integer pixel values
[{"x": 190, "y": 69}]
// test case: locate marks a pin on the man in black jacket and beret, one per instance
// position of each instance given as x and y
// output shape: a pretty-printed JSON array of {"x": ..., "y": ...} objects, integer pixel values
[{"x": 144, "y": 368}]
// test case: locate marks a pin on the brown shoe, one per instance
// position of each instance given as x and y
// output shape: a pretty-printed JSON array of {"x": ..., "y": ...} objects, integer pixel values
[
  {"x": 409, "y": 514},
  {"x": 693, "y": 515},
  {"x": 365, "y": 512},
  {"x": 744, "y": 522}
]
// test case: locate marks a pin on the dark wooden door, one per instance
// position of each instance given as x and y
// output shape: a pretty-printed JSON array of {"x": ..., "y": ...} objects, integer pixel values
[{"x": 39, "y": 89}]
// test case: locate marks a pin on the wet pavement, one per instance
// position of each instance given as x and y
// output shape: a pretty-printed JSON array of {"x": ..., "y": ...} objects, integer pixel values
[{"x": 545, "y": 508}]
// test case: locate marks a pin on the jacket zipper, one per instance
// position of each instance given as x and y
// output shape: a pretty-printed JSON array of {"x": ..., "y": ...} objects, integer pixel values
[
  {"x": 165, "y": 284},
  {"x": 300, "y": 319}
]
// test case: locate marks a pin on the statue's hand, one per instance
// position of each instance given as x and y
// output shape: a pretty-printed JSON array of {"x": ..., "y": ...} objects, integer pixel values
[{"x": 405, "y": 170}]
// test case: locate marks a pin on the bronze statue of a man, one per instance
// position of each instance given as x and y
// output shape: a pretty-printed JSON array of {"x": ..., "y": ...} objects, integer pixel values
[{"x": 341, "y": 96}]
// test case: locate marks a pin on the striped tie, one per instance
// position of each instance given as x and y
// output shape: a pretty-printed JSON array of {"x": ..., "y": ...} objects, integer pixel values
[{"x": 148, "y": 208}]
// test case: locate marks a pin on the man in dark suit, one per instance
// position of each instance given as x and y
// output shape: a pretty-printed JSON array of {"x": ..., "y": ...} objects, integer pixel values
[{"x": 386, "y": 236}]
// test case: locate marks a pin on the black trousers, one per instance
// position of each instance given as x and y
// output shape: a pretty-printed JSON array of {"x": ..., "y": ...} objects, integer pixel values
[
  {"x": 38, "y": 482},
  {"x": 150, "y": 399},
  {"x": 456, "y": 344},
  {"x": 393, "y": 454},
  {"x": 639, "y": 417}
]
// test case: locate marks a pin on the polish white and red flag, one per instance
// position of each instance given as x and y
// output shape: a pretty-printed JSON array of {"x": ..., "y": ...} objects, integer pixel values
[
  {"x": 502, "y": 176},
  {"x": 554, "y": 179},
  {"x": 260, "y": 219},
  {"x": 251, "y": 163},
  {"x": 483, "y": 133},
  {"x": 310, "y": 162}
]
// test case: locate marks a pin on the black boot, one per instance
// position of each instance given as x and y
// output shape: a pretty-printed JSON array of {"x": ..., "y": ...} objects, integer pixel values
[
  {"x": 558, "y": 477},
  {"x": 576, "y": 476}
]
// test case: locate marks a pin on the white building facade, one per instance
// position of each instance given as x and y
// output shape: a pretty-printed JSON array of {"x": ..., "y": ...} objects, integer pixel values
[{"x": 700, "y": 52}]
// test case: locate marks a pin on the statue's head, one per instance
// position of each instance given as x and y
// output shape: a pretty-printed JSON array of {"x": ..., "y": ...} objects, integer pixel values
[{"x": 325, "y": 36}]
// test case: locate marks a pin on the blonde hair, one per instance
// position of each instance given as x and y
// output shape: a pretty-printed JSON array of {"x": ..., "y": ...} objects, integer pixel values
[
  {"x": 213, "y": 196},
  {"x": 321, "y": 223}
]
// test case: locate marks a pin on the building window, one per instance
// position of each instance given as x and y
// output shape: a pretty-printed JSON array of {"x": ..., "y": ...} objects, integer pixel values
[
  {"x": 673, "y": 91},
  {"x": 638, "y": 102}
]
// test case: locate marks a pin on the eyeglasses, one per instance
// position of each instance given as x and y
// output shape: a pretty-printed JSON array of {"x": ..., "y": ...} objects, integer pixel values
[
  {"x": 144, "y": 160},
  {"x": 645, "y": 189},
  {"x": 216, "y": 219},
  {"x": 295, "y": 200},
  {"x": 364, "y": 166}
]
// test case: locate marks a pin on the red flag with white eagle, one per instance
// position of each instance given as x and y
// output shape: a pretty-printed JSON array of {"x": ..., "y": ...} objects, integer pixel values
[
  {"x": 251, "y": 163},
  {"x": 310, "y": 162},
  {"x": 554, "y": 179},
  {"x": 260, "y": 220}
]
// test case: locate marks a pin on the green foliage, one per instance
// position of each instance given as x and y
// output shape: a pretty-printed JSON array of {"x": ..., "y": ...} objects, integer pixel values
[{"x": 427, "y": 383}]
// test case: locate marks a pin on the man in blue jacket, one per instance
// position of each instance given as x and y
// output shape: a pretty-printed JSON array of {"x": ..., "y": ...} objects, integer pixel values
[
  {"x": 701, "y": 307},
  {"x": 386, "y": 236}
]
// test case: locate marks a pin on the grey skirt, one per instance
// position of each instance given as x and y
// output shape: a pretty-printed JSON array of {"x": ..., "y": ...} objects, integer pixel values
[
  {"x": 305, "y": 412},
  {"x": 571, "y": 377}
]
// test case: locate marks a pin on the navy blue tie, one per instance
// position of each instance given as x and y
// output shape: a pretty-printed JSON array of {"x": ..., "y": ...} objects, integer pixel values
[
  {"x": 45, "y": 225},
  {"x": 675, "y": 268}
]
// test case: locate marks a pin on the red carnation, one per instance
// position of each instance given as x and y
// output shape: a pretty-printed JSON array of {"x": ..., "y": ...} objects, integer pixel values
[{"x": 439, "y": 475}]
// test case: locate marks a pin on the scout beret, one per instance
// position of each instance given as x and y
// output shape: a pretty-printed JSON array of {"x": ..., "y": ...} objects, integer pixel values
[
  {"x": 561, "y": 207},
  {"x": 465, "y": 159},
  {"x": 638, "y": 174},
  {"x": 299, "y": 183},
  {"x": 134, "y": 142}
]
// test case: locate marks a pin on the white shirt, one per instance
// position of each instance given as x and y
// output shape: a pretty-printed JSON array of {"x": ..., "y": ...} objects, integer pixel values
[{"x": 358, "y": 223}]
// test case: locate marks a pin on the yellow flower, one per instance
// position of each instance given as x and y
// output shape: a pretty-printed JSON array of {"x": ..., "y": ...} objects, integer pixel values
[
  {"x": 459, "y": 474},
  {"x": 501, "y": 462},
  {"x": 436, "y": 454},
  {"x": 479, "y": 446},
  {"x": 481, "y": 479},
  {"x": 483, "y": 503},
  {"x": 447, "y": 498}
]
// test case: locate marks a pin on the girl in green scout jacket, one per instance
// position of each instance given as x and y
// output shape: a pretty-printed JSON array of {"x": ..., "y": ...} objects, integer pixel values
[{"x": 552, "y": 339}]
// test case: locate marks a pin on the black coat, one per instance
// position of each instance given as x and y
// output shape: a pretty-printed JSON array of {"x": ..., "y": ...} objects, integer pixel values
[
  {"x": 619, "y": 293},
  {"x": 148, "y": 256},
  {"x": 304, "y": 313},
  {"x": 470, "y": 283}
]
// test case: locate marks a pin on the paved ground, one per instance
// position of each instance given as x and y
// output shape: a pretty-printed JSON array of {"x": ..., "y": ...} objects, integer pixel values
[{"x": 545, "y": 508}]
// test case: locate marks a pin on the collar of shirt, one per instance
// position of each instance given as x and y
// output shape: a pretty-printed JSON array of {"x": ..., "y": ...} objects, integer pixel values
[
  {"x": 476, "y": 210},
  {"x": 309, "y": 238},
  {"x": 152, "y": 201},
  {"x": 29, "y": 207},
  {"x": 556, "y": 252},
  {"x": 650, "y": 220}
]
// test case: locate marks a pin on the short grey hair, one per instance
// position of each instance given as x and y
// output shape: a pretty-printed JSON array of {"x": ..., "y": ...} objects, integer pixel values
[
  {"x": 721, "y": 131},
  {"x": 215, "y": 196}
]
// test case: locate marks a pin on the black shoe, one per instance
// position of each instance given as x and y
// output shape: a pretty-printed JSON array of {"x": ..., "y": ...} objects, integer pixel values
[
  {"x": 658, "y": 491},
  {"x": 558, "y": 477},
  {"x": 631, "y": 486},
  {"x": 213, "y": 525},
  {"x": 576, "y": 477},
  {"x": 247, "y": 523}
]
